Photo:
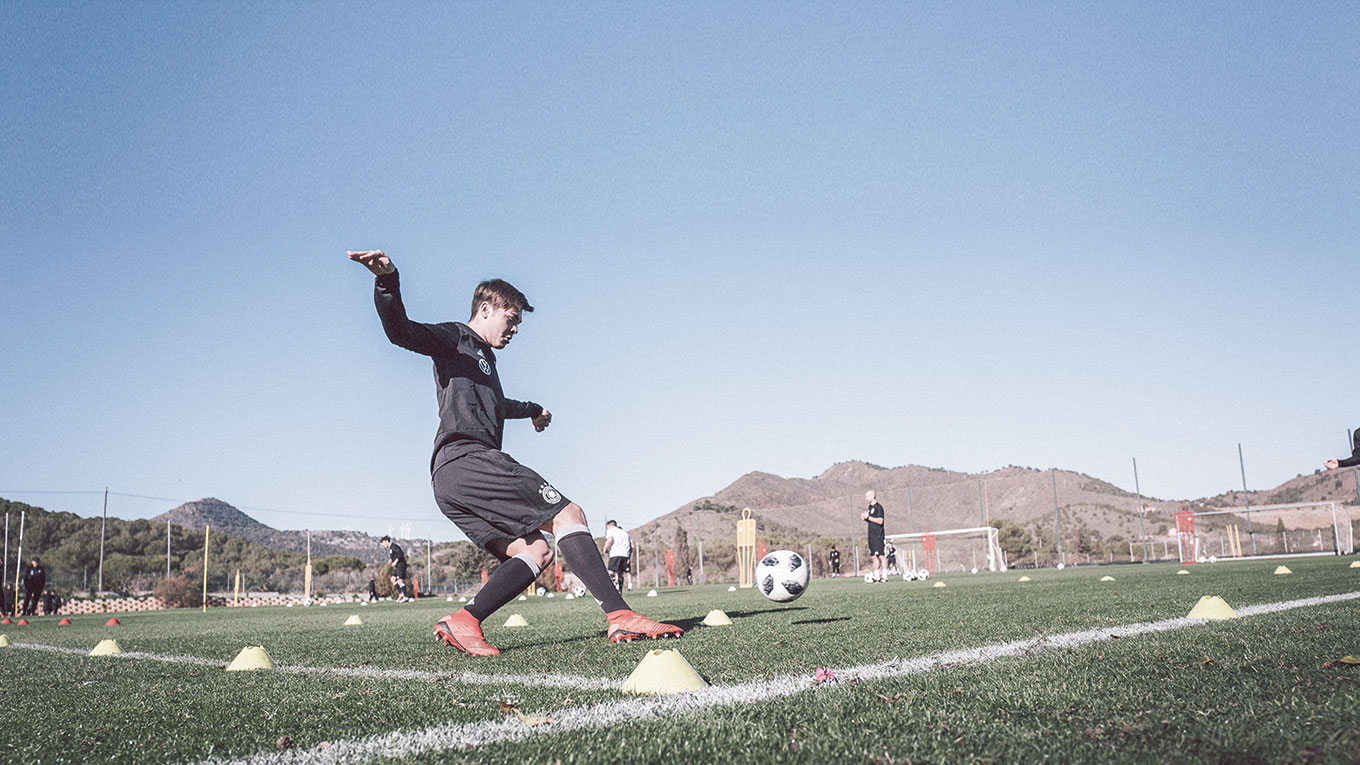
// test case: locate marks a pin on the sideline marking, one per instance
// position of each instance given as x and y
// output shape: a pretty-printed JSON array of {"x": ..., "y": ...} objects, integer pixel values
[
  {"x": 399, "y": 744},
  {"x": 575, "y": 682}
]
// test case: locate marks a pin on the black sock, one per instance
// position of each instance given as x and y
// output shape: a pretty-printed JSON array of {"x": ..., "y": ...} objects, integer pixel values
[
  {"x": 507, "y": 581},
  {"x": 583, "y": 556}
]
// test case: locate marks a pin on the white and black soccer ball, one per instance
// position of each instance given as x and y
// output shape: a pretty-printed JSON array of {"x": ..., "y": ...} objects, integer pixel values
[
  {"x": 540, "y": 592},
  {"x": 923, "y": 574},
  {"x": 578, "y": 591},
  {"x": 908, "y": 576},
  {"x": 869, "y": 578},
  {"x": 782, "y": 576}
]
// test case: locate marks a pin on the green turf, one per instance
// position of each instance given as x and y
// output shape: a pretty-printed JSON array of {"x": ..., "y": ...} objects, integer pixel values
[{"x": 1264, "y": 696}]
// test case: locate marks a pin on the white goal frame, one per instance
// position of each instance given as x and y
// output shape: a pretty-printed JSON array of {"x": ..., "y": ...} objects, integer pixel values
[
  {"x": 1343, "y": 535},
  {"x": 995, "y": 559}
]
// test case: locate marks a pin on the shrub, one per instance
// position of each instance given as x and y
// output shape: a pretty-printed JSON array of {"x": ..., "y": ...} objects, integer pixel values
[{"x": 179, "y": 592}]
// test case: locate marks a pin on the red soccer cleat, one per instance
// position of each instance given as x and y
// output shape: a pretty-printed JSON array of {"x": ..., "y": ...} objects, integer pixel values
[
  {"x": 462, "y": 631},
  {"x": 627, "y": 626}
]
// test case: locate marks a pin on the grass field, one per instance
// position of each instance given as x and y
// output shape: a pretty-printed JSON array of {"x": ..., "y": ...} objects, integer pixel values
[{"x": 924, "y": 674}]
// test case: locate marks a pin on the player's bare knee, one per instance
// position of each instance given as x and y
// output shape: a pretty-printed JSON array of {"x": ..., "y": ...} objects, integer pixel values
[{"x": 571, "y": 515}]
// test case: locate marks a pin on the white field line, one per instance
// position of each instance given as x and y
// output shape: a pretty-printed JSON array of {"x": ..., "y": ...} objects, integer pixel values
[
  {"x": 399, "y": 744},
  {"x": 466, "y": 678}
]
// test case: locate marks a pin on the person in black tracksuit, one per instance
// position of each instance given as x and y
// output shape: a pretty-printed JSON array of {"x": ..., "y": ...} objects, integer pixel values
[
  {"x": 1350, "y": 461},
  {"x": 35, "y": 578},
  {"x": 501, "y": 505},
  {"x": 835, "y": 558},
  {"x": 397, "y": 557}
]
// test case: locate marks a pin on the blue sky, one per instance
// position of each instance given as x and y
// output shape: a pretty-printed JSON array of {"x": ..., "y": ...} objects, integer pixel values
[{"x": 761, "y": 236}]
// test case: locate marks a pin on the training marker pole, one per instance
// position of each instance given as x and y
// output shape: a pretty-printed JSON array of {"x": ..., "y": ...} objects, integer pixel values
[{"x": 205, "y": 569}]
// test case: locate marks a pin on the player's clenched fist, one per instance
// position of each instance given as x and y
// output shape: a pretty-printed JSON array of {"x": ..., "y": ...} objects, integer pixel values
[{"x": 374, "y": 260}]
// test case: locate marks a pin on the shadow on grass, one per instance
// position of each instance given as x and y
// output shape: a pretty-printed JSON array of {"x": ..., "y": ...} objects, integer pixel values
[{"x": 828, "y": 620}]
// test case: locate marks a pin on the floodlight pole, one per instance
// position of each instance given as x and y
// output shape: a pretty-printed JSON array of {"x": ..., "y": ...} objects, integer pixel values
[
  {"x": 1057, "y": 525},
  {"x": 102, "y": 525},
  {"x": 1142, "y": 532},
  {"x": 19, "y": 556},
  {"x": 5, "y": 576},
  {"x": 982, "y": 514},
  {"x": 1246, "y": 497},
  {"x": 908, "y": 509},
  {"x": 429, "y": 564},
  {"x": 167, "y": 548}
]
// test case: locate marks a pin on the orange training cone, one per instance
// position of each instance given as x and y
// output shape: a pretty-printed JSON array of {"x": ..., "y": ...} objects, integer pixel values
[
  {"x": 112, "y": 622},
  {"x": 64, "y": 622},
  {"x": 22, "y": 622},
  {"x": 6, "y": 621}
]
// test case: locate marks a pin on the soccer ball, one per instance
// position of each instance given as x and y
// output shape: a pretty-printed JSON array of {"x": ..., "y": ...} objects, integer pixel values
[
  {"x": 923, "y": 574},
  {"x": 869, "y": 578},
  {"x": 782, "y": 576},
  {"x": 578, "y": 591},
  {"x": 540, "y": 592}
]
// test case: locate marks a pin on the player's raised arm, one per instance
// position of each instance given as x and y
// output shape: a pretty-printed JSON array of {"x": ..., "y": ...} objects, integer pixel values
[
  {"x": 374, "y": 260},
  {"x": 427, "y": 339}
]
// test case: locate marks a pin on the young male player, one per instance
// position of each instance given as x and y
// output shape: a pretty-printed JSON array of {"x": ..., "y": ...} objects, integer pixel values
[
  {"x": 396, "y": 557},
  {"x": 874, "y": 517},
  {"x": 501, "y": 505},
  {"x": 618, "y": 546},
  {"x": 835, "y": 558}
]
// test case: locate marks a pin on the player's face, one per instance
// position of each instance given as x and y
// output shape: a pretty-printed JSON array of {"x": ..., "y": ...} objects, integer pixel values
[{"x": 502, "y": 324}]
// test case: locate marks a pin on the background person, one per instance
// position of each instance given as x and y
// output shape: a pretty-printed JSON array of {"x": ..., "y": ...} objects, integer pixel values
[
  {"x": 874, "y": 517},
  {"x": 397, "y": 557},
  {"x": 35, "y": 578},
  {"x": 835, "y": 559},
  {"x": 618, "y": 547}
]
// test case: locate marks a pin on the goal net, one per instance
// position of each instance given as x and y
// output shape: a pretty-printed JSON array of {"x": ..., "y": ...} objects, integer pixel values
[
  {"x": 950, "y": 550},
  {"x": 1268, "y": 531}
]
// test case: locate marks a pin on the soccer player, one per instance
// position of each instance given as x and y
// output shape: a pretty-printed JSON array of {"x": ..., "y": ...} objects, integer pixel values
[
  {"x": 1350, "y": 461},
  {"x": 619, "y": 547},
  {"x": 835, "y": 557},
  {"x": 501, "y": 505},
  {"x": 35, "y": 578},
  {"x": 396, "y": 557},
  {"x": 874, "y": 517}
]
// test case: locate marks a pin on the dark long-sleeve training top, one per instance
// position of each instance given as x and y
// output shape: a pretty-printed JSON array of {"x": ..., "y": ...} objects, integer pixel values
[
  {"x": 472, "y": 406},
  {"x": 1354, "y": 459}
]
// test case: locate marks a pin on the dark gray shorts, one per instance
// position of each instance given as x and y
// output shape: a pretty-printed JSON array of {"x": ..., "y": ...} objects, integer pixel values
[{"x": 490, "y": 496}]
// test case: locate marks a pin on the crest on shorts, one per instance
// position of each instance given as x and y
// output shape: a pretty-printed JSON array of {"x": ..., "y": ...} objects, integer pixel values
[{"x": 550, "y": 495}]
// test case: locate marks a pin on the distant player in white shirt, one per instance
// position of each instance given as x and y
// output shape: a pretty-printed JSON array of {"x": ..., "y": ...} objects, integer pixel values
[{"x": 619, "y": 547}]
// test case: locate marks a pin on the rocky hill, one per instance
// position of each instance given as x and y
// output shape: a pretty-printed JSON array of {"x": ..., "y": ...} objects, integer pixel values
[
  {"x": 920, "y": 499},
  {"x": 220, "y": 516}
]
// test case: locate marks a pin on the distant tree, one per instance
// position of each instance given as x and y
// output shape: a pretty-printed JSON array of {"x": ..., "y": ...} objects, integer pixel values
[
  {"x": 682, "y": 558},
  {"x": 1014, "y": 540}
]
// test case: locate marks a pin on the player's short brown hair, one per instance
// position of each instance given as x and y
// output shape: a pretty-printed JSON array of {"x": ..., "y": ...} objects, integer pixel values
[{"x": 500, "y": 294}]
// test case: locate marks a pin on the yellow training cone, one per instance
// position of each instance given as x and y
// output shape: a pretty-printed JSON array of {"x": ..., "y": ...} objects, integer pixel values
[
  {"x": 939, "y": 584},
  {"x": 662, "y": 671},
  {"x": 1182, "y": 572},
  {"x": 516, "y": 620},
  {"x": 4, "y": 641},
  {"x": 1283, "y": 570},
  {"x": 1212, "y": 607},
  {"x": 1023, "y": 579},
  {"x": 106, "y": 647},
  {"x": 1107, "y": 578},
  {"x": 251, "y": 657},
  {"x": 717, "y": 618},
  {"x": 1355, "y": 564},
  {"x": 354, "y": 621}
]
